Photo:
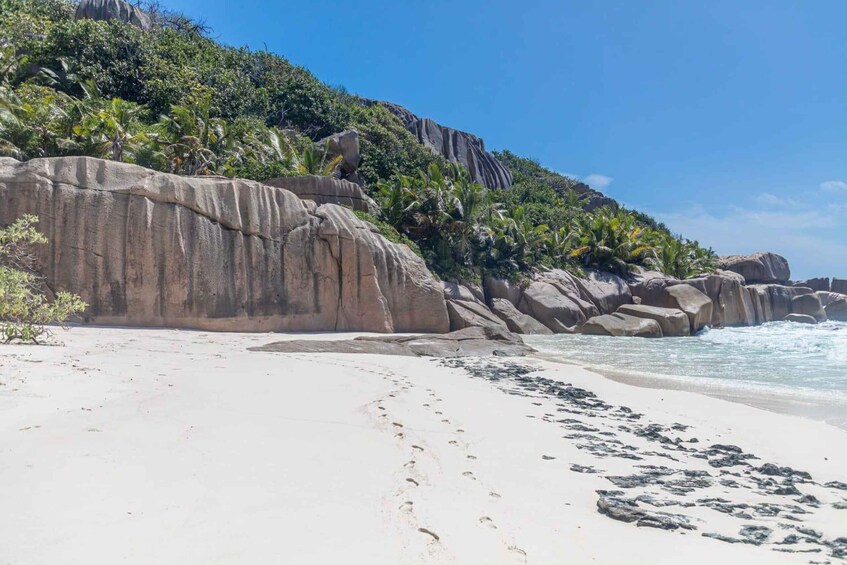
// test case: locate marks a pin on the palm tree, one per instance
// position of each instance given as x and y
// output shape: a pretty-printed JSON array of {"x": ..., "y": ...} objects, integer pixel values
[
  {"x": 609, "y": 240},
  {"x": 112, "y": 131}
]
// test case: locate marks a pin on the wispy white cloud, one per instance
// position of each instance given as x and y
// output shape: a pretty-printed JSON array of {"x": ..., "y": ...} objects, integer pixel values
[
  {"x": 774, "y": 201},
  {"x": 597, "y": 181},
  {"x": 834, "y": 185}
]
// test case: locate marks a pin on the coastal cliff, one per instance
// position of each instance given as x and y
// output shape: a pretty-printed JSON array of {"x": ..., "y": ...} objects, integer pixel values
[{"x": 152, "y": 249}]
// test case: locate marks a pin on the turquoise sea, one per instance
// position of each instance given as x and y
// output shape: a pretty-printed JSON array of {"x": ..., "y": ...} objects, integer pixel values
[{"x": 783, "y": 366}]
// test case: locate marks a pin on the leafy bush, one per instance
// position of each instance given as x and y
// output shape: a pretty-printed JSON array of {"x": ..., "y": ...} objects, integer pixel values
[{"x": 24, "y": 310}]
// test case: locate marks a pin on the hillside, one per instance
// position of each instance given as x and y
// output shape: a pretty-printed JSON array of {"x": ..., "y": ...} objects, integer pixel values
[{"x": 151, "y": 87}]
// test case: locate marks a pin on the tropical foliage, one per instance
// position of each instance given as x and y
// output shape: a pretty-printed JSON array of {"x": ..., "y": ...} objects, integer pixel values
[{"x": 24, "y": 310}]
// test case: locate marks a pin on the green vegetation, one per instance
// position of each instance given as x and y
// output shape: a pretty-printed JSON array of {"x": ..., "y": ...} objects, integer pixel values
[
  {"x": 24, "y": 309},
  {"x": 174, "y": 100}
]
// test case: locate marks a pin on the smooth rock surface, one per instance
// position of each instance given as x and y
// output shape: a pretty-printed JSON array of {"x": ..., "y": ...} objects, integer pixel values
[
  {"x": 325, "y": 190},
  {"x": 816, "y": 284},
  {"x": 835, "y": 305},
  {"x": 763, "y": 267},
  {"x": 346, "y": 145},
  {"x": 113, "y": 10},
  {"x": 810, "y": 305},
  {"x": 606, "y": 291},
  {"x": 465, "y": 314},
  {"x": 674, "y": 323},
  {"x": 696, "y": 305},
  {"x": 800, "y": 319},
  {"x": 470, "y": 342},
  {"x": 150, "y": 249},
  {"x": 621, "y": 325},
  {"x": 545, "y": 303},
  {"x": 515, "y": 320},
  {"x": 839, "y": 286}
]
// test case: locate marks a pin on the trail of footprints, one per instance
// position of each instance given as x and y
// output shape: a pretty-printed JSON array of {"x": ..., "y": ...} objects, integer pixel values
[{"x": 412, "y": 479}]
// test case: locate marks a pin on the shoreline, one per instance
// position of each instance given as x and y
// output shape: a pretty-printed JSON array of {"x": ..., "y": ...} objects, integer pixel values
[
  {"x": 125, "y": 436},
  {"x": 819, "y": 409}
]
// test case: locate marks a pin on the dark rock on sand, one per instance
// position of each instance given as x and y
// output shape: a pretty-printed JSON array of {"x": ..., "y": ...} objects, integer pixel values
[{"x": 469, "y": 342}]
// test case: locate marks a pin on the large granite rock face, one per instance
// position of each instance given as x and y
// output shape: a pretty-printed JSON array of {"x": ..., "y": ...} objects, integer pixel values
[
  {"x": 471, "y": 315},
  {"x": 560, "y": 312},
  {"x": 113, "y": 10},
  {"x": 809, "y": 305},
  {"x": 839, "y": 286},
  {"x": 346, "y": 145},
  {"x": 772, "y": 302},
  {"x": 731, "y": 303},
  {"x": 607, "y": 292},
  {"x": 758, "y": 268},
  {"x": 456, "y": 146},
  {"x": 151, "y": 249},
  {"x": 674, "y": 323},
  {"x": 325, "y": 190},
  {"x": 622, "y": 325}
]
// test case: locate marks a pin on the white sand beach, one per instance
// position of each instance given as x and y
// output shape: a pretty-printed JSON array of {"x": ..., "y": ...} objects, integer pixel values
[{"x": 165, "y": 446}]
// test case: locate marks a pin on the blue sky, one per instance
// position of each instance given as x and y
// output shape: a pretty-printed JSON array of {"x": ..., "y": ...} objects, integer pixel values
[{"x": 727, "y": 120}]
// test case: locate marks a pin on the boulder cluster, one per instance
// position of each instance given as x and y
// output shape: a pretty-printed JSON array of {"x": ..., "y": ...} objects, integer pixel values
[{"x": 746, "y": 291}]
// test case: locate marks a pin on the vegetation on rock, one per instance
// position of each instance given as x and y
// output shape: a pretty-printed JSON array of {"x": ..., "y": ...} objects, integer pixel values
[{"x": 24, "y": 309}]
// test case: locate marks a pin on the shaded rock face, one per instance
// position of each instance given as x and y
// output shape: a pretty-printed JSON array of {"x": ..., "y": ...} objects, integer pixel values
[
  {"x": 515, "y": 320},
  {"x": 773, "y": 302},
  {"x": 835, "y": 305},
  {"x": 839, "y": 286},
  {"x": 758, "y": 268},
  {"x": 620, "y": 325},
  {"x": 808, "y": 305},
  {"x": 696, "y": 305},
  {"x": 471, "y": 315},
  {"x": 456, "y": 146},
  {"x": 560, "y": 312},
  {"x": 674, "y": 323},
  {"x": 816, "y": 284},
  {"x": 325, "y": 190},
  {"x": 800, "y": 319},
  {"x": 151, "y": 249},
  {"x": 113, "y": 10},
  {"x": 346, "y": 145}
]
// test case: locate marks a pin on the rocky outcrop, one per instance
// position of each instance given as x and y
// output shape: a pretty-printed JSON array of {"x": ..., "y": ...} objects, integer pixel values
[
  {"x": 560, "y": 312},
  {"x": 839, "y": 286},
  {"x": 113, "y": 10},
  {"x": 325, "y": 190},
  {"x": 456, "y": 146},
  {"x": 834, "y": 304},
  {"x": 800, "y": 319},
  {"x": 758, "y": 268},
  {"x": 816, "y": 284},
  {"x": 620, "y": 325},
  {"x": 472, "y": 315},
  {"x": 346, "y": 145},
  {"x": 470, "y": 342},
  {"x": 516, "y": 320},
  {"x": 607, "y": 292},
  {"x": 773, "y": 302},
  {"x": 809, "y": 305},
  {"x": 674, "y": 323},
  {"x": 150, "y": 249},
  {"x": 696, "y": 305}
]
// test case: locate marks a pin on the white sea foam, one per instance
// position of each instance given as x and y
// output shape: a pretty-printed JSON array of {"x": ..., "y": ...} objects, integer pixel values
[{"x": 803, "y": 363}]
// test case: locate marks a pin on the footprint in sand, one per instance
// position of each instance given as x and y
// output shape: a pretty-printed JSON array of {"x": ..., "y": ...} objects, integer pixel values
[
  {"x": 399, "y": 435},
  {"x": 417, "y": 447},
  {"x": 439, "y": 413},
  {"x": 472, "y": 457},
  {"x": 460, "y": 431},
  {"x": 381, "y": 407},
  {"x": 469, "y": 475},
  {"x": 413, "y": 481},
  {"x": 493, "y": 494},
  {"x": 516, "y": 549},
  {"x": 445, "y": 421},
  {"x": 426, "y": 405},
  {"x": 429, "y": 533},
  {"x": 486, "y": 521},
  {"x": 406, "y": 506},
  {"x": 453, "y": 442},
  {"x": 409, "y": 464},
  {"x": 547, "y": 457},
  {"x": 397, "y": 424}
]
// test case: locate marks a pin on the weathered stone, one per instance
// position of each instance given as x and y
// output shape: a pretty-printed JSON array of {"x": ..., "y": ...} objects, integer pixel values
[
  {"x": 672, "y": 321},
  {"x": 325, "y": 190},
  {"x": 696, "y": 305},
  {"x": 470, "y": 342},
  {"x": 606, "y": 291},
  {"x": 346, "y": 145},
  {"x": 471, "y": 314},
  {"x": 500, "y": 288},
  {"x": 515, "y": 320},
  {"x": 456, "y": 146},
  {"x": 816, "y": 284},
  {"x": 548, "y": 305},
  {"x": 620, "y": 325},
  {"x": 568, "y": 286},
  {"x": 835, "y": 305},
  {"x": 113, "y": 10},
  {"x": 800, "y": 319},
  {"x": 810, "y": 305},
  {"x": 839, "y": 286},
  {"x": 758, "y": 267},
  {"x": 731, "y": 302},
  {"x": 772, "y": 302},
  {"x": 463, "y": 293},
  {"x": 649, "y": 286},
  {"x": 150, "y": 249}
]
